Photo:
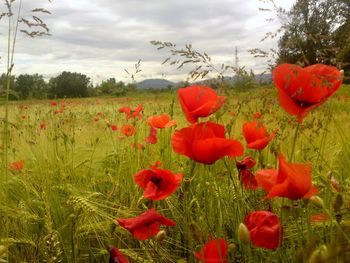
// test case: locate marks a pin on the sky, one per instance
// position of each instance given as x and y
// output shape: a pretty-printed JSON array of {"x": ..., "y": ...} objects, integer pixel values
[{"x": 102, "y": 38}]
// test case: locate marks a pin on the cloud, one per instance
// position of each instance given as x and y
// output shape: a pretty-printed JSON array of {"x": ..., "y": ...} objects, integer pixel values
[{"x": 101, "y": 38}]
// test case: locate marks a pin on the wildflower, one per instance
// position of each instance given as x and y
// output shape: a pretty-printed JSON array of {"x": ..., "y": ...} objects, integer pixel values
[
  {"x": 161, "y": 121},
  {"x": 146, "y": 225},
  {"x": 152, "y": 137},
  {"x": 247, "y": 163},
  {"x": 214, "y": 251},
  {"x": 199, "y": 101},
  {"x": 264, "y": 229},
  {"x": 128, "y": 130},
  {"x": 302, "y": 89},
  {"x": 17, "y": 166},
  {"x": 132, "y": 113},
  {"x": 256, "y": 135},
  {"x": 246, "y": 176},
  {"x": 257, "y": 115},
  {"x": 157, "y": 183},
  {"x": 205, "y": 143},
  {"x": 291, "y": 180},
  {"x": 113, "y": 127},
  {"x": 115, "y": 256}
]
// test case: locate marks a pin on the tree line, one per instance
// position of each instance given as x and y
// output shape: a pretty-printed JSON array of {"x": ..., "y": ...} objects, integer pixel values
[{"x": 66, "y": 85}]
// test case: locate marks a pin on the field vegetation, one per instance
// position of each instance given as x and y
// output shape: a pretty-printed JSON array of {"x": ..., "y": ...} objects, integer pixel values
[{"x": 79, "y": 163}]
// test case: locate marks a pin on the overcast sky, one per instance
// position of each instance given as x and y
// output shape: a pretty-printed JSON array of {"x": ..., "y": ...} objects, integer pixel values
[{"x": 101, "y": 38}]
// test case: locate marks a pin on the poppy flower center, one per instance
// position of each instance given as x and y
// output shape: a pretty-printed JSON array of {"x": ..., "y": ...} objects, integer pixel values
[
  {"x": 303, "y": 104},
  {"x": 157, "y": 181}
]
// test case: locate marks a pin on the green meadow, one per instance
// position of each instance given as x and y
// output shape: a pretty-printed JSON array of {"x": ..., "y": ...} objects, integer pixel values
[{"x": 77, "y": 180}]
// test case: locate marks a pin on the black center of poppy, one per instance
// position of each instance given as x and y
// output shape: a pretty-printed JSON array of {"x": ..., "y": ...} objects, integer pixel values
[
  {"x": 157, "y": 181},
  {"x": 303, "y": 104}
]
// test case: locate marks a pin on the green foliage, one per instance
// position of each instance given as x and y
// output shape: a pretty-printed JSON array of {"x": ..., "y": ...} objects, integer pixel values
[
  {"x": 69, "y": 84},
  {"x": 110, "y": 87},
  {"x": 78, "y": 179},
  {"x": 308, "y": 38},
  {"x": 3, "y": 83},
  {"x": 31, "y": 86}
]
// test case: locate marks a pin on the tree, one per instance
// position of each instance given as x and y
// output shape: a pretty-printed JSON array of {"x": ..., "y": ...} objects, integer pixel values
[
  {"x": 309, "y": 35},
  {"x": 342, "y": 37},
  {"x": 112, "y": 88},
  {"x": 3, "y": 83},
  {"x": 31, "y": 86},
  {"x": 69, "y": 84}
]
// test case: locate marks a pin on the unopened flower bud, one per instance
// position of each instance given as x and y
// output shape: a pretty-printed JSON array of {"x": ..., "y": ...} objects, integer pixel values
[
  {"x": 243, "y": 233},
  {"x": 196, "y": 232},
  {"x": 161, "y": 236},
  {"x": 2, "y": 250},
  {"x": 317, "y": 201},
  {"x": 319, "y": 255},
  {"x": 231, "y": 246}
]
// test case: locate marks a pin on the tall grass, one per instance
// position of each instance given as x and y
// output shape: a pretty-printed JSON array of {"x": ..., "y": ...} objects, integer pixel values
[{"x": 78, "y": 179}]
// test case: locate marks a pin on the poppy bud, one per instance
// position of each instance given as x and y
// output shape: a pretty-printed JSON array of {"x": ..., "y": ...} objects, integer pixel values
[
  {"x": 187, "y": 182},
  {"x": 317, "y": 201},
  {"x": 319, "y": 255},
  {"x": 231, "y": 246},
  {"x": 2, "y": 250},
  {"x": 196, "y": 232},
  {"x": 243, "y": 233},
  {"x": 161, "y": 236},
  {"x": 338, "y": 203}
]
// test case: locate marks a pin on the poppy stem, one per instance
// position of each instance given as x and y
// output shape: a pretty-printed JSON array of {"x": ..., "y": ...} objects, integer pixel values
[
  {"x": 291, "y": 157},
  {"x": 231, "y": 176}
]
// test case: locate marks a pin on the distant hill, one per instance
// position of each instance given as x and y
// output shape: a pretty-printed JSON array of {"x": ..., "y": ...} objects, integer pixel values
[
  {"x": 163, "y": 83},
  {"x": 155, "y": 84}
]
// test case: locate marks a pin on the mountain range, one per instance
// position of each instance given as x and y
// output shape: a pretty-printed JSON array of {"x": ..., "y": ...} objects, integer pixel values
[{"x": 164, "y": 83}]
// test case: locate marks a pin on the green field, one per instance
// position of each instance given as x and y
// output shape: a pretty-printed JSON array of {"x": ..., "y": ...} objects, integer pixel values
[{"x": 77, "y": 180}]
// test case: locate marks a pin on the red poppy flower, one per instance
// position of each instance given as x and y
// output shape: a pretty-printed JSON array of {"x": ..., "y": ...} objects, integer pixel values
[
  {"x": 290, "y": 180},
  {"x": 152, "y": 137},
  {"x": 115, "y": 256},
  {"x": 199, "y": 101},
  {"x": 320, "y": 217},
  {"x": 246, "y": 177},
  {"x": 137, "y": 112},
  {"x": 302, "y": 89},
  {"x": 128, "y": 130},
  {"x": 138, "y": 146},
  {"x": 161, "y": 121},
  {"x": 145, "y": 225},
  {"x": 257, "y": 115},
  {"x": 126, "y": 110},
  {"x": 17, "y": 166},
  {"x": 264, "y": 229},
  {"x": 205, "y": 143},
  {"x": 53, "y": 103},
  {"x": 113, "y": 127},
  {"x": 214, "y": 251},
  {"x": 247, "y": 163},
  {"x": 256, "y": 135},
  {"x": 42, "y": 126},
  {"x": 248, "y": 180},
  {"x": 157, "y": 183}
]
